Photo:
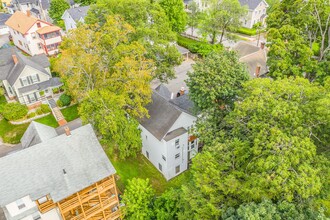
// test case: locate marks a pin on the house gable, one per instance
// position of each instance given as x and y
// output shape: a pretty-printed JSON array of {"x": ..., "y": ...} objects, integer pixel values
[{"x": 30, "y": 71}]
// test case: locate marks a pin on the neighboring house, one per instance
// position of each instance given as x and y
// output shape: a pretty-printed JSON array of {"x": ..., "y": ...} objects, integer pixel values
[
  {"x": 4, "y": 28},
  {"x": 34, "y": 36},
  {"x": 58, "y": 177},
  {"x": 254, "y": 57},
  {"x": 257, "y": 12},
  {"x": 26, "y": 79},
  {"x": 202, "y": 4},
  {"x": 73, "y": 16},
  {"x": 166, "y": 135},
  {"x": 38, "y": 8},
  {"x": 5, "y": 3}
]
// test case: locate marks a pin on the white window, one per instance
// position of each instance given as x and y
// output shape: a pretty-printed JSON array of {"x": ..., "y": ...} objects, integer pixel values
[
  {"x": 39, "y": 46},
  {"x": 160, "y": 167},
  {"x": 177, "y": 169},
  {"x": 34, "y": 36},
  {"x": 177, "y": 143},
  {"x": 32, "y": 97},
  {"x": 177, "y": 156},
  {"x": 24, "y": 81},
  {"x": 35, "y": 78},
  {"x": 20, "y": 204}
]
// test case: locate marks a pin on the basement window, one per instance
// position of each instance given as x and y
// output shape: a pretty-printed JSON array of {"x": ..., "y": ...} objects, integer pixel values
[{"x": 20, "y": 204}]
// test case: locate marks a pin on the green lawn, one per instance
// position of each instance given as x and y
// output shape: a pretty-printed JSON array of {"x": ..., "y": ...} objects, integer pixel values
[
  {"x": 140, "y": 167},
  {"x": 48, "y": 120},
  {"x": 70, "y": 113},
  {"x": 11, "y": 133}
]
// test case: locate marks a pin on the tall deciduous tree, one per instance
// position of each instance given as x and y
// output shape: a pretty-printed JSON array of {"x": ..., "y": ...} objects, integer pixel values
[
  {"x": 177, "y": 17},
  {"x": 57, "y": 8},
  {"x": 138, "y": 198},
  {"x": 216, "y": 80},
  {"x": 265, "y": 148},
  {"x": 152, "y": 27},
  {"x": 194, "y": 16},
  {"x": 110, "y": 75},
  {"x": 222, "y": 16}
]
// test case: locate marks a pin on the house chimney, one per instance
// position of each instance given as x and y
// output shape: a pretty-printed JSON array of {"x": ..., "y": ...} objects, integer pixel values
[
  {"x": 258, "y": 71},
  {"x": 182, "y": 91},
  {"x": 15, "y": 59},
  {"x": 28, "y": 13},
  {"x": 262, "y": 45},
  {"x": 67, "y": 131}
]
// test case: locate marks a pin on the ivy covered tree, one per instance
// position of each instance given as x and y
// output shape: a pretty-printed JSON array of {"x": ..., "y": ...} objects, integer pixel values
[
  {"x": 174, "y": 9},
  {"x": 265, "y": 148},
  {"x": 138, "y": 198},
  {"x": 152, "y": 30},
  {"x": 110, "y": 76}
]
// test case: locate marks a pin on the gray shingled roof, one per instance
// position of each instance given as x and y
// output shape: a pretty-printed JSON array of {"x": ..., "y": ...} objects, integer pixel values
[
  {"x": 244, "y": 49},
  {"x": 175, "y": 133},
  {"x": 52, "y": 82},
  {"x": 3, "y": 18},
  {"x": 184, "y": 103},
  {"x": 252, "y": 4},
  {"x": 163, "y": 91},
  {"x": 182, "y": 50},
  {"x": 162, "y": 116},
  {"x": 35, "y": 11},
  {"x": 45, "y": 4},
  {"x": 78, "y": 13},
  {"x": 38, "y": 170},
  {"x": 11, "y": 72},
  {"x": 37, "y": 133}
]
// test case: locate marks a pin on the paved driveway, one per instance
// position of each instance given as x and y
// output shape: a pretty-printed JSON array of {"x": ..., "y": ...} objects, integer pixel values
[
  {"x": 4, "y": 39},
  {"x": 175, "y": 85}
]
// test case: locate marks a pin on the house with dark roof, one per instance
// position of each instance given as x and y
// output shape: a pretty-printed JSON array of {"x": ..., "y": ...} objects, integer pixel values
[
  {"x": 166, "y": 135},
  {"x": 257, "y": 12},
  {"x": 3, "y": 28},
  {"x": 34, "y": 36},
  {"x": 73, "y": 16},
  {"x": 38, "y": 8},
  {"x": 26, "y": 79},
  {"x": 254, "y": 57},
  {"x": 58, "y": 177}
]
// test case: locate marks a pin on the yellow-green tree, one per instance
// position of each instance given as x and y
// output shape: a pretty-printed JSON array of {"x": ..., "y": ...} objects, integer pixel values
[{"x": 109, "y": 74}]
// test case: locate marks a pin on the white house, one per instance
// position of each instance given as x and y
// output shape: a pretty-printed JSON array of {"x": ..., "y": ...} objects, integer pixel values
[
  {"x": 4, "y": 28},
  {"x": 257, "y": 12},
  {"x": 58, "y": 176},
  {"x": 26, "y": 79},
  {"x": 73, "y": 16},
  {"x": 32, "y": 35},
  {"x": 38, "y": 8},
  {"x": 166, "y": 135}
]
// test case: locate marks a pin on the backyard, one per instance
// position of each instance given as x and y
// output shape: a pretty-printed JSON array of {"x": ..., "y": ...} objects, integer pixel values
[
  {"x": 140, "y": 167},
  {"x": 13, "y": 133}
]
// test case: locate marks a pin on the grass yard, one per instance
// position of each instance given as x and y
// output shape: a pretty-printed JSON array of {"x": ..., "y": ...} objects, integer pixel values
[
  {"x": 11, "y": 133},
  {"x": 140, "y": 167},
  {"x": 48, "y": 120},
  {"x": 70, "y": 113}
]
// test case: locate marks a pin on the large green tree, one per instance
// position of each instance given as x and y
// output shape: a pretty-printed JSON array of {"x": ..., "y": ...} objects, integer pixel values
[
  {"x": 152, "y": 30},
  {"x": 57, "y": 8},
  {"x": 310, "y": 20},
  {"x": 221, "y": 17},
  {"x": 109, "y": 74},
  {"x": 194, "y": 16},
  {"x": 177, "y": 17},
  {"x": 216, "y": 80},
  {"x": 138, "y": 198},
  {"x": 265, "y": 148}
]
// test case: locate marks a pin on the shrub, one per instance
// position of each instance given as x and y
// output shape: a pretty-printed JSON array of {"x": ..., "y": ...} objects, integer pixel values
[
  {"x": 247, "y": 31},
  {"x": 45, "y": 108},
  {"x": 59, "y": 103},
  {"x": 56, "y": 90},
  {"x": 65, "y": 99},
  {"x": 14, "y": 111},
  {"x": 194, "y": 46},
  {"x": 31, "y": 115},
  {"x": 41, "y": 93},
  {"x": 39, "y": 111}
]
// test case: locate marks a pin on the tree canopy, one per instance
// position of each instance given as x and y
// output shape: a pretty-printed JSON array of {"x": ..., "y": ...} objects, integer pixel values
[
  {"x": 177, "y": 17},
  {"x": 216, "y": 80},
  {"x": 109, "y": 73},
  {"x": 57, "y": 8},
  {"x": 152, "y": 30}
]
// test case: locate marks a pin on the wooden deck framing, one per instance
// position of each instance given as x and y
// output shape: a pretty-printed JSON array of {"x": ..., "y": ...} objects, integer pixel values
[{"x": 96, "y": 202}]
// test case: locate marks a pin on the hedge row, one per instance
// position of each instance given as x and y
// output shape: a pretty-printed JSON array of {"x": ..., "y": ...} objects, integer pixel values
[
  {"x": 247, "y": 31},
  {"x": 194, "y": 46}
]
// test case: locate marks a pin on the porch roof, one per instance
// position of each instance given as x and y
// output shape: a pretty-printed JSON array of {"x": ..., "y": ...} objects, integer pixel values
[
  {"x": 52, "y": 82},
  {"x": 48, "y": 29}
]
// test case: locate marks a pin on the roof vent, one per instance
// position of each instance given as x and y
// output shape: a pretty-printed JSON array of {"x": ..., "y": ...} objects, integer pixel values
[{"x": 64, "y": 171}]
